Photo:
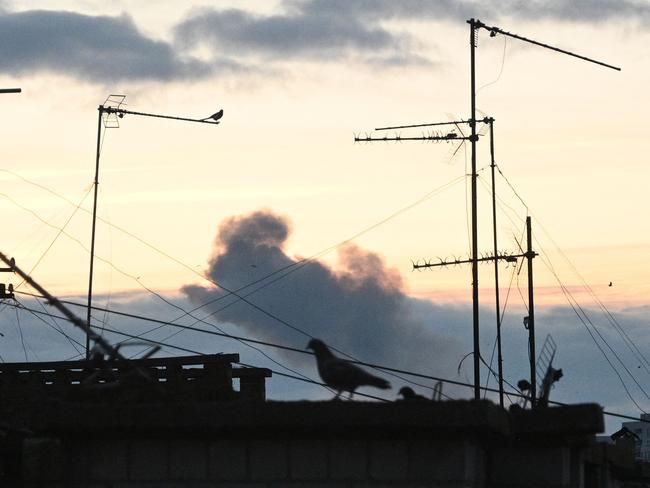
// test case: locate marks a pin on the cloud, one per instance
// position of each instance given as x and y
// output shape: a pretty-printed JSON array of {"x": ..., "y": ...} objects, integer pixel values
[
  {"x": 588, "y": 376},
  {"x": 363, "y": 31},
  {"x": 296, "y": 34},
  {"x": 360, "y": 307},
  {"x": 460, "y": 10},
  {"x": 107, "y": 49},
  {"x": 94, "y": 48}
]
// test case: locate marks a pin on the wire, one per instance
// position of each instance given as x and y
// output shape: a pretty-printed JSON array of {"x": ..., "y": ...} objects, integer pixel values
[
  {"x": 503, "y": 62},
  {"x": 243, "y": 298},
  {"x": 234, "y": 292},
  {"x": 20, "y": 331},
  {"x": 300, "y": 263},
  {"x": 487, "y": 380},
  {"x": 630, "y": 344},
  {"x": 567, "y": 293},
  {"x": 229, "y": 291},
  {"x": 617, "y": 326},
  {"x": 468, "y": 177},
  {"x": 512, "y": 188},
  {"x": 444, "y": 380},
  {"x": 61, "y": 230},
  {"x": 586, "y": 321},
  {"x": 58, "y": 329},
  {"x": 245, "y": 339},
  {"x": 318, "y": 383},
  {"x": 106, "y": 311},
  {"x": 503, "y": 312}
]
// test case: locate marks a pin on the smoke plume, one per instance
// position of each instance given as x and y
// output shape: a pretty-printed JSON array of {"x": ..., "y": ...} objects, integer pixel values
[{"x": 359, "y": 306}]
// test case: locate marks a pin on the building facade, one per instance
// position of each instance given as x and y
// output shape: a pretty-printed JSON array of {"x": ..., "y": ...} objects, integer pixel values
[{"x": 642, "y": 430}]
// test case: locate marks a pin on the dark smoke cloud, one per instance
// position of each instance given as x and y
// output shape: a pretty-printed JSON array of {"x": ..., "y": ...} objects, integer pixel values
[{"x": 360, "y": 307}]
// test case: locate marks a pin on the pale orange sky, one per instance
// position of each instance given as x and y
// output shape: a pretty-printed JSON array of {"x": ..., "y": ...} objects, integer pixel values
[
  {"x": 297, "y": 79},
  {"x": 569, "y": 136}
]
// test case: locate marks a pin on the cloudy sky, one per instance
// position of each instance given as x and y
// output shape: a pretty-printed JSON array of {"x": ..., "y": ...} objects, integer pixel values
[{"x": 281, "y": 179}]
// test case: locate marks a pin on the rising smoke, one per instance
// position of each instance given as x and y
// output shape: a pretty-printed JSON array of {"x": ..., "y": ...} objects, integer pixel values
[{"x": 360, "y": 306}]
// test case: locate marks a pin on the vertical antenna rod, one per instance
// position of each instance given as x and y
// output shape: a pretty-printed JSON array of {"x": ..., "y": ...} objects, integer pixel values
[
  {"x": 496, "y": 262},
  {"x": 473, "y": 26},
  {"x": 100, "y": 113},
  {"x": 531, "y": 314},
  {"x": 118, "y": 112}
]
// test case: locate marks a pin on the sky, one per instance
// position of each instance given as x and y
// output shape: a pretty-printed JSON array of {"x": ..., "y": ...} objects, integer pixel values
[{"x": 281, "y": 179}]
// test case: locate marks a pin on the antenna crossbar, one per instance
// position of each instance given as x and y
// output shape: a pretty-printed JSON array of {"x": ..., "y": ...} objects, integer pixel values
[
  {"x": 496, "y": 30},
  {"x": 510, "y": 258},
  {"x": 452, "y": 136},
  {"x": 485, "y": 120},
  {"x": 120, "y": 112}
]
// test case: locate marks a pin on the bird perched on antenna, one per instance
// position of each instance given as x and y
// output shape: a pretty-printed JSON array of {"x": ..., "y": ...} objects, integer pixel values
[
  {"x": 340, "y": 374},
  {"x": 215, "y": 116}
]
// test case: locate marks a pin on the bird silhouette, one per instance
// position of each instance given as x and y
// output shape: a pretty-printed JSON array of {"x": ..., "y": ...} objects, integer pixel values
[
  {"x": 215, "y": 116},
  {"x": 342, "y": 375},
  {"x": 410, "y": 396},
  {"x": 610, "y": 283}
]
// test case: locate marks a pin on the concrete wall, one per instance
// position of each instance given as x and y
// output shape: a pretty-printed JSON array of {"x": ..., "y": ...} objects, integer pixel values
[
  {"x": 314, "y": 445},
  {"x": 255, "y": 463}
]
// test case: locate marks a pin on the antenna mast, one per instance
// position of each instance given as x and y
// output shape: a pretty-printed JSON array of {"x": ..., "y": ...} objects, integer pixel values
[
  {"x": 475, "y": 25},
  {"x": 474, "y": 259},
  {"x": 110, "y": 112}
]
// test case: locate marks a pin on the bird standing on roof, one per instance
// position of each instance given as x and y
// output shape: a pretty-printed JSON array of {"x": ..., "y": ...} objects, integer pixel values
[
  {"x": 410, "y": 395},
  {"x": 340, "y": 374}
]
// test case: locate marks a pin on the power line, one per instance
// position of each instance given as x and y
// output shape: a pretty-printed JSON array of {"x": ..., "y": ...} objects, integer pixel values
[
  {"x": 630, "y": 344},
  {"x": 444, "y": 380},
  {"x": 293, "y": 264},
  {"x": 235, "y": 292},
  {"x": 299, "y": 263},
  {"x": 567, "y": 293},
  {"x": 192, "y": 351},
  {"x": 586, "y": 321},
  {"x": 20, "y": 330},
  {"x": 638, "y": 354},
  {"x": 388, "y": 371},
  {"x": 617, "y": 326},
  {"x": 61, "y": 230},
  {"x": 253, "y": 341},
  {"x": 56, "y": 327}
]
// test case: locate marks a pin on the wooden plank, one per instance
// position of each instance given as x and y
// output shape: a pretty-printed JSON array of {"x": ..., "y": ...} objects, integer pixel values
[
  {"x": 251, "y": 372},
  {"x": 180, "y": 360}
]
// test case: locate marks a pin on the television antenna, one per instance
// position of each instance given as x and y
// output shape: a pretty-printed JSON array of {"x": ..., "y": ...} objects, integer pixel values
[{"x": 475, "y": 25}]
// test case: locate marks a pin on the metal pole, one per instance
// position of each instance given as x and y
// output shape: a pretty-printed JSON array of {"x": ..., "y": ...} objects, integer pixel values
[
  {"x": 473, "y": 137},
  {"x": 531, "y": 315},
  {"x": 100, "y": 112},
  {"x": 496, "y": 263},
  {"x": 496, "y": 30},
  {"x": 121, "y": 112}
]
